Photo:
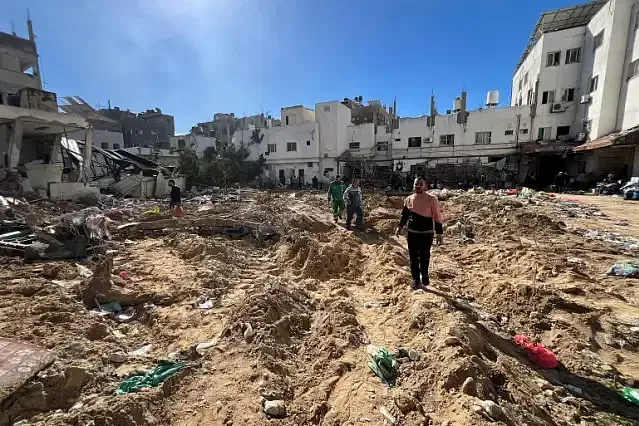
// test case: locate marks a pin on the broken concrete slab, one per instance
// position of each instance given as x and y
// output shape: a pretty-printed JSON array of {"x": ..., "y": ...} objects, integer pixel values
[{"x": 19, "y": 362}]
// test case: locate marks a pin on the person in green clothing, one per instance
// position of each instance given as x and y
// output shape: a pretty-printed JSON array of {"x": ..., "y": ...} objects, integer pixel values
[{"x": 336, "y": 193}]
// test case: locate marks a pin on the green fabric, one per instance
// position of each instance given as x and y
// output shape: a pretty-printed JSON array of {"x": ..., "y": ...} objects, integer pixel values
[
  {"x": 148, "y": 379},
  {"x": 631, "y": 394},
  {"x": 338, "y": 207},
  {"x": 384, "y": 366},
  {"x": 336, "y": 190}
]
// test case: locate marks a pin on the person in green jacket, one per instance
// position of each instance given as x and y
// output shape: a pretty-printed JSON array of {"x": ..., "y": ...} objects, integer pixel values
[{"x": 336, "y": 193}]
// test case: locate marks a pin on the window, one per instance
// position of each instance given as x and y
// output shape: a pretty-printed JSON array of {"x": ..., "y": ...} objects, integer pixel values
[
  {"x": 327, "y": 108},
  {"x": 573, "y": 56},
  {"x": 553, "y": 59},
  {"x": 116, "y": 146},
  {"x": 525, "y": 78},
  {"x": 271, "y": 147},
  {"x": 308, "y": 143},
  {"x": 181, "y": 144},
  {"x": 598, "y": 40},
  {"x": 353, "y": 145},
  {"x": 523, "y": 131},
  {"x": 398, "y": 139},
  {"x": 415, "y": 142},
  {"x": 382, "y": 146},
  {"x": 521, "y": 82},
  {"x": 633, "y": 69},
  {"x": 568, "y": 96},
  {"x": 483, "y": 138},
  {"x": 544, "y": 133},
  {"x": 548, "y": 97},
  {"x": 287, "y": 120},
  {"x": 104, "y": 145},
  {"x": 563, "y": 131},
  {"x": 309, "y": 164},
  {"x": 509, "y": 132},
  {"x": 291, "y": 146},
  {"x": 594, "y": 83},
  {"x": 529, "y": 97},
  {"x": 447, "y": 140}
]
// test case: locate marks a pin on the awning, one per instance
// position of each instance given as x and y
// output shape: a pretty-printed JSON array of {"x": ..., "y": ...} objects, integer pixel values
[
  {"x": 626, "y": 138},
  {"x": 552, "y": 147}
]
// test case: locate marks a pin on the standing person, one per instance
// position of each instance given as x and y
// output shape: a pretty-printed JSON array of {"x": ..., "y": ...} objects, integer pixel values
[
  {"x": 354, "y": 204},
  {"x": 314, "y": 180},
  {"x": 423, "y": 218},
  {"x": 336, "y": 194},
  {"x": 175, "y": 199}
]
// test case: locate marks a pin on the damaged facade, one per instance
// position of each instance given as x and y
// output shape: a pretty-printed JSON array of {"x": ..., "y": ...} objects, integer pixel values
[{"x": 573, "y": 84}]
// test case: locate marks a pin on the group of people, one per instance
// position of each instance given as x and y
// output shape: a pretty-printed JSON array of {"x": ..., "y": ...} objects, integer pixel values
[
  {"x": 421, "y": 218},
  {"x": 347, "y": 198}
]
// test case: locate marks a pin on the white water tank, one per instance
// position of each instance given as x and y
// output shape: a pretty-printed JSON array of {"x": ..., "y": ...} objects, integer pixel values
[
  {"x": 457, "y": 104},
  {"x": 492, "y": 98}
]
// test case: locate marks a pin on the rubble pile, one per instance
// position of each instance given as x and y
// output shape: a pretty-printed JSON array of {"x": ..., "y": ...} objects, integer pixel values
[{"x": 257, "y": 308}]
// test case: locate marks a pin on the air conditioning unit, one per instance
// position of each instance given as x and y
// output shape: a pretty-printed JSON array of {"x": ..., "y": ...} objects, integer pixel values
[
  {"x": 584, "y": 99},
  {"x": 325, "y": 155},
  {"x": 558, "y": 107},
  {"x": 427, "y": 140},
  {"x": 267, "y": 153}
]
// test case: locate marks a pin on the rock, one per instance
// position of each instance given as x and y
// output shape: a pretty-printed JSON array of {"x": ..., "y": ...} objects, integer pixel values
[
  {"x": 36, "y": 399},
  {"x": 75, "y": 377},
  {"x": 387, "y": 415},
  {"x": 469, "y": 387},
  {"x": 413, "y": 355},
  {"x": 248, "y": 333},
  {"x": 544, "y": 385},
  {"x": 415, "y": 418},
  {"x": 493, "y": 410},
  {"x": 21, "y": 423},
  {"x": 275, "y": 408},
  {"x": 98, "y": 331},
  {"x": 404, "y": 401},
  {"x": 548, "y": 393},
  {"x": 571, "y": 400},
  {"x": 452, "y": 341},
  {"x": 118, "y": 358},
  {"x": 574, "y": 390},
  {"x": 51, "y": 271},
  {"x": 535, "y": 315}
]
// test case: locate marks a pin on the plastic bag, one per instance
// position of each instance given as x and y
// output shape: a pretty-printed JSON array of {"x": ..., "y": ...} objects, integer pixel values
[{"x": 178, "y": 211}]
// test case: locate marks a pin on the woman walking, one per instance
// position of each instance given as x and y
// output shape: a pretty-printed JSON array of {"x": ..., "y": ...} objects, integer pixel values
[{"x": 423, "y": 219}]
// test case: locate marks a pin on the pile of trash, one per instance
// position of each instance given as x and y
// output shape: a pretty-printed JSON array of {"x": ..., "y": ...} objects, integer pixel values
[
  {"x": 631, "y": 189},
  {"x": 624, "y": 241},
  {"x": 69, "y": 236}
]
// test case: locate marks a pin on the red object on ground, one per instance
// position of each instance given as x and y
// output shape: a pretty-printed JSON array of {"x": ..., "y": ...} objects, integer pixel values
[
  {"x": 511, "y": 191},
  {"x": 178, "y": 211},
  {"x": 543, "y": 357}
]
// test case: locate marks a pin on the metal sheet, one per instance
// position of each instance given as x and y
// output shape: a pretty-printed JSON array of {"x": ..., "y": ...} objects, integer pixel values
[{"x": 19, "y": 362}]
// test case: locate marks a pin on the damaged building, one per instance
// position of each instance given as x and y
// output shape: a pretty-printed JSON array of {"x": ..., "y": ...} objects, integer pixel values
[{"x": 31, "y": 128}]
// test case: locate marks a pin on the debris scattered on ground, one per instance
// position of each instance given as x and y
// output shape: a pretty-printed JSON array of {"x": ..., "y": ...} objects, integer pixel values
[
  {"x": 140, "y": 380},
  {"x": 628, "y": 269},
  {"x": 272, "y": 305}
]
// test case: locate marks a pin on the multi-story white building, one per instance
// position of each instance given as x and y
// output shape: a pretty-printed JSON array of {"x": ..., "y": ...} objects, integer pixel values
[{"x": 577, "y": 82}]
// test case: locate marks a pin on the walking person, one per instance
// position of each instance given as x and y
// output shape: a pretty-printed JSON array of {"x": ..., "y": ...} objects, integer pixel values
[
  {"x": 175, "y": 199},
  {"x": 336, "y": 194},
  {"x": 354, "y": 204},
  {"x": 423, "y": 219}
]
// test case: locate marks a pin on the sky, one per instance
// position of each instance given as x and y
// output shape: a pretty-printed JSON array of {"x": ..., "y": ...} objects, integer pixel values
[{"x": 193, "y": 58}]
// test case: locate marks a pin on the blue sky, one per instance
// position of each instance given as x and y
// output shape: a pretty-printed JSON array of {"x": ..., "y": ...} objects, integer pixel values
[{"x": 193, "y": 58}]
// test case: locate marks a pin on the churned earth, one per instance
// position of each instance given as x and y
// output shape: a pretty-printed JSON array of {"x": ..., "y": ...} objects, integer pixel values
[{"x": 289, "y": 319}]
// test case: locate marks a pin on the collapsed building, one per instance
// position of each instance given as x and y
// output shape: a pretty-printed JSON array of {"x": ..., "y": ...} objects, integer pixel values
[{"x": 62, "y": 154}]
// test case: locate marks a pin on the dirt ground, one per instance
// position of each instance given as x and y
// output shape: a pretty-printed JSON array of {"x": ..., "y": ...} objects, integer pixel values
[{"x": 290, "y": 319}]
